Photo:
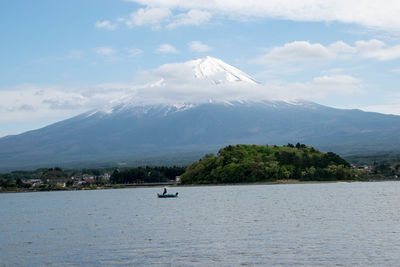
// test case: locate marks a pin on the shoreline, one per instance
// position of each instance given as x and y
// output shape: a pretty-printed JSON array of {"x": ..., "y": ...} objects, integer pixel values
[
  {"x": 121, "y": 186},
  {"x": 278, "y": 182}
]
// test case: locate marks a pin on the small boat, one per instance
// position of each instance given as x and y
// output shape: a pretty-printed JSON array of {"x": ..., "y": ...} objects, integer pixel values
[{"x": 167, "y": 195}]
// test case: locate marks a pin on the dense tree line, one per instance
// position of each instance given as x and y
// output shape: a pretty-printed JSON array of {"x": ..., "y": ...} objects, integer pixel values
[
  {"x": 386, "y": 170},
  {"x": 254, "y": 163},
  {"x": 146, "y": 174},
  {"x": 14, "y": 175}
]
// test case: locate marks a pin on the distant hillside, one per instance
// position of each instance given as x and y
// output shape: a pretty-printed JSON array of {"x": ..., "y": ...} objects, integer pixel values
[
  {"x": 252, "y": 163},
  {"x": 170, "y": 135},
  {"x": 373, "y": 159}
]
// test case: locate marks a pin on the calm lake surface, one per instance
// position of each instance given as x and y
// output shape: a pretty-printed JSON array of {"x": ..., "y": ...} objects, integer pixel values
[{"x": 295, "y": 224}]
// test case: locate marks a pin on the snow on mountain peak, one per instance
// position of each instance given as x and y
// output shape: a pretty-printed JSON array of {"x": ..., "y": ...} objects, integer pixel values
[
  {"x": 202, "y": 80},
  {"x": 217, "y": 71}
]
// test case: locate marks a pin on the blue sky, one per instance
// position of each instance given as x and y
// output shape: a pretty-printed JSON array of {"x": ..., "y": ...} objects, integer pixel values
[{"x": 61, "y": 58}]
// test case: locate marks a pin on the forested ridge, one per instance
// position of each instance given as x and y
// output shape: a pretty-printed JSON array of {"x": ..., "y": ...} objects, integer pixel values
[{"x": 258, "y": 163}]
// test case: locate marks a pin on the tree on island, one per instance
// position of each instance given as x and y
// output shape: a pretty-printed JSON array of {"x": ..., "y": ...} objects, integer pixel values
[{"x": 259, "y": 163}]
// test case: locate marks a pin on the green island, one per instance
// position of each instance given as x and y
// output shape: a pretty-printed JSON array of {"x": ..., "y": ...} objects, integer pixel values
[
  {"x": 234, "y": 164},
  {"x": 263, "y": 163}
]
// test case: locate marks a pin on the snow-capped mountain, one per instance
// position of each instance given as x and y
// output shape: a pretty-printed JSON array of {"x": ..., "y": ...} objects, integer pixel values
[
  {"x": 180, "y": 131},
  {"x": 218, "y": 72},
  {"x": 183, "y": 84}
]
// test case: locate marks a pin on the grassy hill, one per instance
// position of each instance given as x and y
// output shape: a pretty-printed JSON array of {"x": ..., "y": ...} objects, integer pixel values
[{"x": 257, "y": 163}]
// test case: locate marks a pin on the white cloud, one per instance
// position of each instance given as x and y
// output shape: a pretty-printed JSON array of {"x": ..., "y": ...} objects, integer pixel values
[
  {"x": 29, "y": 102},
  {"x": 156, "y": 16},
  {"x": 148, "y": 16},
  {"x": 304, "y": 51},
  {"x": 369, "y": 46},
  {"x": 166, "y": 49},
  {"x": 193, "y": 17},
  {"x": 297, "y": 51},
  {"x": 389, "y": 105},
  {"x": 378, "y": 50},
  {"x": 176, "y": 83},
  {"x": 105, "y": 24},
  {"x": 369, "y": 13},
  {"x": 393, "y": 109},
  {"x": 104, "y": 50},
  {"x": 197, "y": 46},
  {"x": 317, "y": 89},
  {"x": 342, "y": 47},
  {"x": 133, "y": 51},
  {"x": 33, "y": 102},
  {"x": 323, "y": 86},
  {"x": 168, "y": 83}
]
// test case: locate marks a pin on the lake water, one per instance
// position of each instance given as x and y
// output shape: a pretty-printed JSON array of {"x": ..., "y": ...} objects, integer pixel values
[{"x": 293, "y": 224}]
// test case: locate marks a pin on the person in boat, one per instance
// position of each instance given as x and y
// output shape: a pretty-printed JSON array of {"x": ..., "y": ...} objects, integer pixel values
[{"x": 165, "y": 191}]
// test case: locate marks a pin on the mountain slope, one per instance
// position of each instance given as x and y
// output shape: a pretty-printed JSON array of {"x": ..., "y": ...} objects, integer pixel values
[
  {"x": 219, "y": 113},
  {"x": 144, "y": 131}
]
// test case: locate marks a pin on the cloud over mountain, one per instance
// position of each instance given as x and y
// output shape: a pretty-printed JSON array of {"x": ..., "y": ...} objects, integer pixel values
[{"x": 195, "y": 81}]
